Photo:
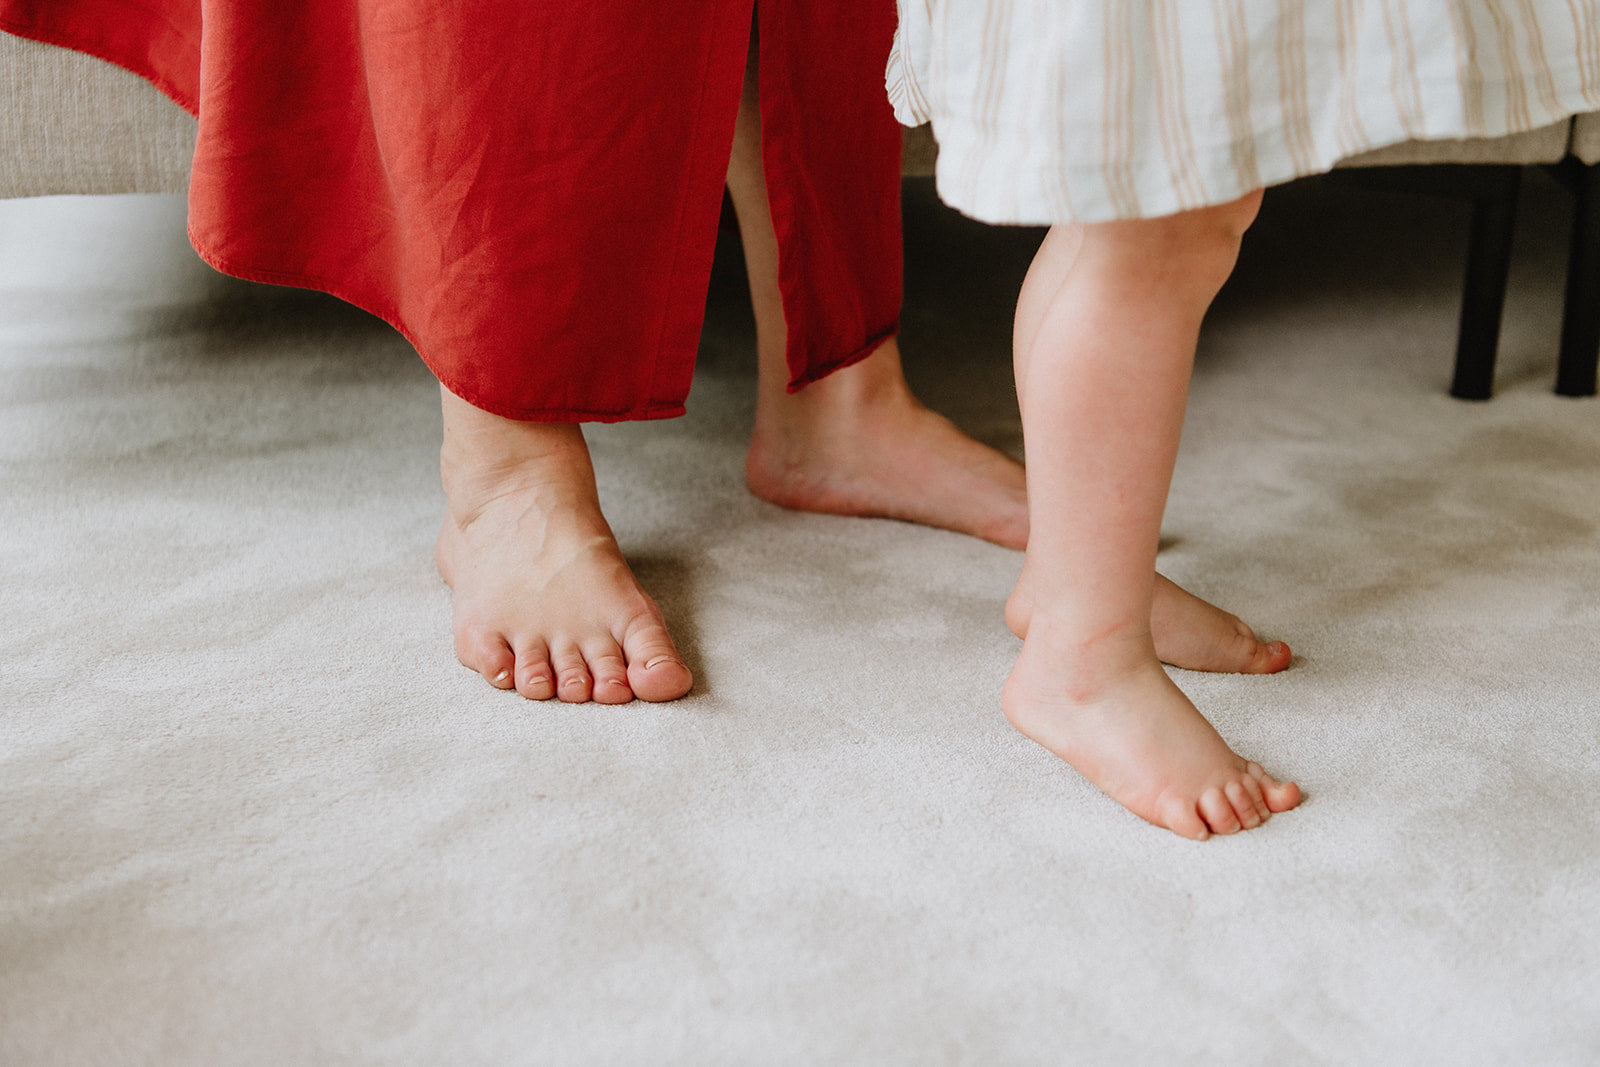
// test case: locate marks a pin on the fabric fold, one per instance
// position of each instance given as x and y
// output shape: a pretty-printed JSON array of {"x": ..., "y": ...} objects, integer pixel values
[{"x": 530, "y": 193}]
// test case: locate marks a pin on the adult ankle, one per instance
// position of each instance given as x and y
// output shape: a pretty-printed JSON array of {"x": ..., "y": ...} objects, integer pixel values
[{"x": 484, "y": 457}]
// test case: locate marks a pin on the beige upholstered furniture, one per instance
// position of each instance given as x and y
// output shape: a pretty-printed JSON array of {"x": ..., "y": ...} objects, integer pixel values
[{"x": 73, "y": 124}]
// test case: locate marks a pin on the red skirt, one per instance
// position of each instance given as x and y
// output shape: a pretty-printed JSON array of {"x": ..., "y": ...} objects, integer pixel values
[{"x": 529, "y": 191}]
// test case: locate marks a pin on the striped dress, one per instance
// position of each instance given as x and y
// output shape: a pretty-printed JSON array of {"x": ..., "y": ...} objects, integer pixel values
[{"x": 1090, "y": 110}]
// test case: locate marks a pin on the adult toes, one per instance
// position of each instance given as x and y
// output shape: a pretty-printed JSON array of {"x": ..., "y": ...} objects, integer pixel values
[
  {"x": 608, "y": 673},
  {"x": 1217, "y": 812},
  {"x": 490, "y": 656},
  {"x": 573, "y": 684},
  {"x": 655, "y": 670},
  {"x": 1243, "y": 806},
  {"x": 535, "y": 678}
]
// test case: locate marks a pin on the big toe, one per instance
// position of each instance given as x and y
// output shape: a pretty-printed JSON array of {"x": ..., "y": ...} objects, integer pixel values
[
  {"x": 1280, "y": 796},
  {"x": 487, "y": 653},
  {"x": 1198, "y": 636},
  {"x": 1182, "y": 817},
  {"x": 656, "y": 671},
  {"x": 1242, "y": 652},
  {"x": 1267, "y": 657}
]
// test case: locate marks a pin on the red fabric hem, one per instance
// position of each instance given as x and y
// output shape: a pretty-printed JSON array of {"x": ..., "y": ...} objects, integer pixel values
[
  {"x": 816, "y": 374},
  {"x": 103, "y": 51},
  {"x": 374, "y": 308},
  {"x": 250, "y": 219}
]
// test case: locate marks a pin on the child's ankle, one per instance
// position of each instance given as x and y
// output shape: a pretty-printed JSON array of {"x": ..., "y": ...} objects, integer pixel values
[{"x": 1082, "y": 665}]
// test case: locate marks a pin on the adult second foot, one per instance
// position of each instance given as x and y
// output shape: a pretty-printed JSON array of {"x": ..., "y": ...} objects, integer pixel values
[
  {"x": 543, "y": 600},
  {"x": 859, "y": 443},
  {"x": 1189, "y": 632},
  {"x": 1135, "y": 735}
]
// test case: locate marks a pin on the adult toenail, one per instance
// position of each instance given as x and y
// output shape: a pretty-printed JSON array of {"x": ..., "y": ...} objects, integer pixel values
[{"x": 652, "y": 664}]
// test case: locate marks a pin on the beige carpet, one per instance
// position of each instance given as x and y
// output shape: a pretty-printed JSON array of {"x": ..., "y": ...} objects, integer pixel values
[{"x": 253, "y": 812}]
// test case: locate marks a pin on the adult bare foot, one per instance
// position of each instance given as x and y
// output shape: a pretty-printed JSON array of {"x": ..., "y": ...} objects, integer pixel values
[
  {"x": 1115, "y": 716},
  {"x": 859, "y": 443},
  {"x": 1189, "y": 632},
  {"x": 544, "y": 601}
]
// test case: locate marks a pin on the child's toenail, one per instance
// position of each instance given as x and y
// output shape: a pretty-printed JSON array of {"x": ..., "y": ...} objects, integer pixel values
[
  {"x": 652, "y": 664},
  {"x": 502, "y": 676}
]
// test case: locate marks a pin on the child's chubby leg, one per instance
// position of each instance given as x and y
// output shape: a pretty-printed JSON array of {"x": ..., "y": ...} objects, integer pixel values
[
  {"x": 1102, "y": 384},
  {"x": 859, "y": 443},
  {"x": 1188, "y": 631}
]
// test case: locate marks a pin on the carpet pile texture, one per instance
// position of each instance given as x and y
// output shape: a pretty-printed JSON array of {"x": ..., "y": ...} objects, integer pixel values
[{"x": 253, "y": 812}]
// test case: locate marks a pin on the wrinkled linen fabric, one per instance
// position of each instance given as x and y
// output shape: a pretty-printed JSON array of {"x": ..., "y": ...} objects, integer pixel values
[
  {"x": 1090, "y": 110},
  {"x": 529, "y": 192}
]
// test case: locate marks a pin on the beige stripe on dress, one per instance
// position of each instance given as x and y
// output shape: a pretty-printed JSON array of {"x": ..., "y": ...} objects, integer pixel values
[
  {"x": 1517, "y": 114},
  {"x": 1057, "y": 179},
  {"x": 1352, "y": 136},
  {"x": 1403, "y": 69},
  {"x": 1291, "y": 23},
  {"x": 991, "y": 89},
  {"x": 1117, "y": 157},
  {"x": 1586, "y": 30},
  {"x": 1469, "y": 72},
  {"x": 1231, "y": 31},
  {"x": 1542, "y": 79},
  {"x": 1177, "y": 142}
]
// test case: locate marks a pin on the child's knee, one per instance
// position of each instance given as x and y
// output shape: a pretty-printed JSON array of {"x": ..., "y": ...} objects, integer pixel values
[
  {"x": 1202, "y": 246},
  {"x": 1238, "y": 215}
]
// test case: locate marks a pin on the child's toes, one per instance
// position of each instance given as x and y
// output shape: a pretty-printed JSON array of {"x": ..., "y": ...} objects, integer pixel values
[
  {"x": 1253, "y": 655},
  {"x": 1181, "y": 817},
  {"x": 1280, "y": 796},
  {"x": 1257, "y": 797},
  {"x": 1244, "y": 806},
  {"x": 1270, "y": 657},
  {"x": 1217, "y": 812}
]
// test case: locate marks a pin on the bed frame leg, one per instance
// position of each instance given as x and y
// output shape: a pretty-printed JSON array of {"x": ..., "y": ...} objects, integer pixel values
[
  {"x": 1483, "y": 298},
  {"x": 1580, "y": 319}
]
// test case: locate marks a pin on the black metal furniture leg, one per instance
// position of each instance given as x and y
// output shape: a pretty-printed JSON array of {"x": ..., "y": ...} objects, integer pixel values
[
  {"x": 1494, "y": 217},
  {"x": 1580, "y": 319}
]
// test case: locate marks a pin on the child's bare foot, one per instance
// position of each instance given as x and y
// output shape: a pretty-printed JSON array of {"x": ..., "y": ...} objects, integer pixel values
[
  {"x": 1128, "y": 729},
  {"x": 544, "y": 601},
  {"x": 1189, "y": 632},
  {"x": 859, "y": 443}
]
